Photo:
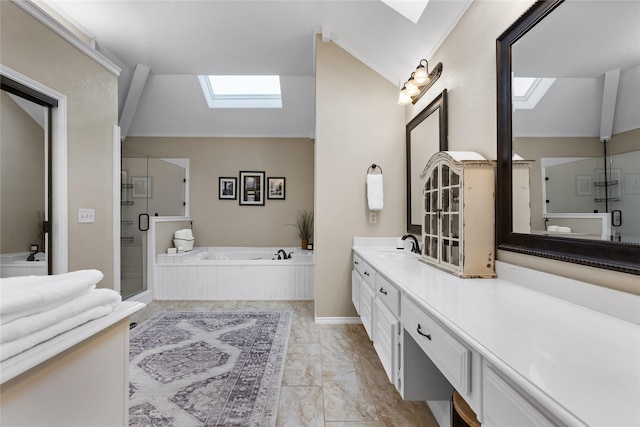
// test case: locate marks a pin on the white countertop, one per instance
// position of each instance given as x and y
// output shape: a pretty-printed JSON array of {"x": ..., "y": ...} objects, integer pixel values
[{"x": 581, "y": 364}]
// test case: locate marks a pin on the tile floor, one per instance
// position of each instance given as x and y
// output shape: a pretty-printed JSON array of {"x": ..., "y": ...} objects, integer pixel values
[{"x": 332, "y": 375}]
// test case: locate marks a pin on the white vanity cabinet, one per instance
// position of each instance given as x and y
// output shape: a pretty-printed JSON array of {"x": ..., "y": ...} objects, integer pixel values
[
  {"x": 378, "y": 303},
  {"x": 458, "y": 213},
  {"x": 505, "y": 347}
]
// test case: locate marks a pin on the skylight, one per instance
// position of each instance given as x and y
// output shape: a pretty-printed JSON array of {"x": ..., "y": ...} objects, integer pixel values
[
  {"x": 412, "y": 10},
  {"x": 241, "y": 91},
  {"x": 528, "y": 91}
]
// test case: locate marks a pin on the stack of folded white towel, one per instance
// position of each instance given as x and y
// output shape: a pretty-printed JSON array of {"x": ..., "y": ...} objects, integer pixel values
[{"x": 34, "y": 309}]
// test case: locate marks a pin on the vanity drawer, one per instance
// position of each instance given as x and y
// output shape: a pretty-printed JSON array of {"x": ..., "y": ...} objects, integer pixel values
[
  {"x": 357, "y": 263},
  {"x": 388, "y": 294},
  {"x": 447, "y": 353},
  {"x": 368, "y": 274}
]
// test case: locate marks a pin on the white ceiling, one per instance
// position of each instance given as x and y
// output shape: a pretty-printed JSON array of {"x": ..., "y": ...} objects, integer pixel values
[
  {"x": 577, "y": 44},
  {"x": 180, "y": 39}
]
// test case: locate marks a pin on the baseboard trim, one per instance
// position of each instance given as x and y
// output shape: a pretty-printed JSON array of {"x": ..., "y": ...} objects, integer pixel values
[{"x": 338, "y": 320}]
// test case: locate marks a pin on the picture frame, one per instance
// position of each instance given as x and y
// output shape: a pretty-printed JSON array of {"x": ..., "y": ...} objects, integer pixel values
[
  {"x": 227, "y": 188},
  {"x": 632, "y": 183},
  {"x": 141, "y": 187},
  {"x": 583, "y": 185},
  {"x": 251, "y": 188},
  {"x": 276, "y": 189}
]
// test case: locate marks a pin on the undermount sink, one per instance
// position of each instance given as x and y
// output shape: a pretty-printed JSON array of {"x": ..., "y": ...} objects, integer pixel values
[{"x": 391, "y": 253}]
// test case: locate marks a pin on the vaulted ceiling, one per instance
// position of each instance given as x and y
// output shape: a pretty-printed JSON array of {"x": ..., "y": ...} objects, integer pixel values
[{"x": 180, "y": 39}]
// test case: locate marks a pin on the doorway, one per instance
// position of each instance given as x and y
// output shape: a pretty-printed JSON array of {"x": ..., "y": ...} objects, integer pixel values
[{"x": 26, "y": 180}]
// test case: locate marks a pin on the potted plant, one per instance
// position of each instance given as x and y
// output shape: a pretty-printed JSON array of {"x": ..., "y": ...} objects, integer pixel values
[{"x": 304, "y": 226}]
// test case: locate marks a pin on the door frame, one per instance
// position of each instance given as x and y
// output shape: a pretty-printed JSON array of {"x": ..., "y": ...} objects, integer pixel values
[{"x": 59, "y": 221}]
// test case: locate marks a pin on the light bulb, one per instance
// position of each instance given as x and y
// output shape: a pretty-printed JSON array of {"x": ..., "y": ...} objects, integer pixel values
[
  {"x": 412, "y": 88},
  {"x": 420, "y": 75},
  {"x": 404, "y": 99}
]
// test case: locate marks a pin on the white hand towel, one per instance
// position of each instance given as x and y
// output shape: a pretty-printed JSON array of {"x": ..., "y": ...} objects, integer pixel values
[{"x": 375, "y": 194}]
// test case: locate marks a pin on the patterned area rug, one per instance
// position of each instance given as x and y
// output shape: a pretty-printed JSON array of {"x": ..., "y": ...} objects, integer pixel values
[{"x": 207, "y": 368}]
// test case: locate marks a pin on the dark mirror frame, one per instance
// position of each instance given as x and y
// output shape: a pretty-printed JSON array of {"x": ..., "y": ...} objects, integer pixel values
[
  {"x": 438, "y": 104},
  {"x": 595, "y": 253}
]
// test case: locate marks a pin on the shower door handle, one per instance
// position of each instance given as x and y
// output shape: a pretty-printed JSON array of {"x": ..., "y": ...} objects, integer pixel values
[{"x": 140, "y": 222}]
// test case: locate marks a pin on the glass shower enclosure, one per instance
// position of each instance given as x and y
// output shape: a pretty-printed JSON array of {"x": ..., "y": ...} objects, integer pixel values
[{"x": 149, "y": 187}]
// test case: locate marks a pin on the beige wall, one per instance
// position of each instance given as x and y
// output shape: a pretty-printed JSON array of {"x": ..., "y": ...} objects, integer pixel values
[
  {"x": 358, "y": 122},
  {"x": 225, "y": 222},
  {"x": 468, "y": 56},
  {"x": 22, "y": 181},
  {"x": 33, "y": 50}
]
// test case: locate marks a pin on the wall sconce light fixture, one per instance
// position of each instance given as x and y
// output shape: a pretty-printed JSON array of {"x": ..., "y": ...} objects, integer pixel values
[{"x": 419, "y": 81}]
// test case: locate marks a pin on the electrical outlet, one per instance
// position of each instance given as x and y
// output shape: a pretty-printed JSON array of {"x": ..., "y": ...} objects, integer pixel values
[
  {"x": 373, "y": 217},
  {"x": 86, "y": 215}
]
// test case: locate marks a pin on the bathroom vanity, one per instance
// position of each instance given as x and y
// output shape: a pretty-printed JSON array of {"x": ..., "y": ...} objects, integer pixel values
[
  {"x": 517, "y": 355},
  {"x": 78, "y": 378}
]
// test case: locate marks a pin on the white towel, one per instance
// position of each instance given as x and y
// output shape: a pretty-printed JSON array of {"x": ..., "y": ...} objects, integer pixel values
[
  {"x": 375, "y": 194},
  {"x": 19, "y": 345},
  {"x": 27, "y": 295},
  {"x": 30, "y": 324}
]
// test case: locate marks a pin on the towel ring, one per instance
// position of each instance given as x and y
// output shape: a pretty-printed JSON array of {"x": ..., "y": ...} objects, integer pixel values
[{"x": 374, "y": 166}]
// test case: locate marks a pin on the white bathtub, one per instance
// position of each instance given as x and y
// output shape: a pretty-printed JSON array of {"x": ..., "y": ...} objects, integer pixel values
[
  {"x": 233, "y": 273},
  {"x": 16, "y": 264}
]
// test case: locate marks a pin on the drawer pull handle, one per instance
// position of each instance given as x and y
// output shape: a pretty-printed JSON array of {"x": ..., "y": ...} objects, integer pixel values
[
  {"x": 382, "y": 291},
  {"x": 428, "y": 336},
  {"x": 366, "y": 273}
]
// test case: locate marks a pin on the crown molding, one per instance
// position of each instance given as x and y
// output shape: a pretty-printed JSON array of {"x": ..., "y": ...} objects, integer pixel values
[{"x": 48, "y": 21}]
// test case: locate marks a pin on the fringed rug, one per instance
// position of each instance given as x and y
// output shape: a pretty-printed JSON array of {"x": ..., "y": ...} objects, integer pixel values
[{"x": 207, "y": 368}]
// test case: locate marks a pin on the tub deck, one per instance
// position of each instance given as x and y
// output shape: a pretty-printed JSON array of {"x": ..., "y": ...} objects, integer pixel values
[{"x": 220, "y": 274}]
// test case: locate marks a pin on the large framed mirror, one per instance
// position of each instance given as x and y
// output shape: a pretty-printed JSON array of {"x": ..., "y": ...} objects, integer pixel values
[
  {"x": 426, "y": 135},
  {"x": 568, "y": 74}
]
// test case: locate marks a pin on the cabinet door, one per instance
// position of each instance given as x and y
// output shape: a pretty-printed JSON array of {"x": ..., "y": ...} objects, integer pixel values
[
  {"x": 386, "y": 337},
  {"x": 450, "y": 223},
  {"x": 356, "y": 285},
  {"x": 366, "y": 308},
  {"x": 430, "y": 222},
  {"x": 505, "y": 406}
]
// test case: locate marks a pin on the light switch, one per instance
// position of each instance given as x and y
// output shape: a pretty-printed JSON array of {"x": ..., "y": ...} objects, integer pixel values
[{"x": 86, "y": 215}]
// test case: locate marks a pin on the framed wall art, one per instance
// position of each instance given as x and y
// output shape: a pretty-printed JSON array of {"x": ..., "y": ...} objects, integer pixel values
[
  {"x": 583, "y": 185},
  {"x": 276, "y": 188},
  {"x": 227, "y": 188},
  {"x": 252, "y": 188},
  {"x": 141, "y": 187}
]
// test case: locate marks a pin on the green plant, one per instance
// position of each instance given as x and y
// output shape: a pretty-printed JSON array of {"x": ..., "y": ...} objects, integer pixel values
[{"x": 304, "y": 224}]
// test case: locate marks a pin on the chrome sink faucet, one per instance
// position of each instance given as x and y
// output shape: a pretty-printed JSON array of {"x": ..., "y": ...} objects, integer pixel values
[{"x": 415, "y": 246}]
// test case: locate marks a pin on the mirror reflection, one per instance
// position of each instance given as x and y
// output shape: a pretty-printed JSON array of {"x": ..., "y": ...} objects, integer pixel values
[
  {"x": 576, "y": 117},
  {"x": 426, "y": 135}
]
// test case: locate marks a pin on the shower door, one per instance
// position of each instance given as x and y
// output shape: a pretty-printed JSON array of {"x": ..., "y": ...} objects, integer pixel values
[{"x": 150, "y": 187}]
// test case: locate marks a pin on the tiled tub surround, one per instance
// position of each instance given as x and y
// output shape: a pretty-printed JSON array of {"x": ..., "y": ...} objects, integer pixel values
[
  {"x": 16, "y": 264},
  {"x": 530, "y": 354},
  {"x": 220, "y": 273}
]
